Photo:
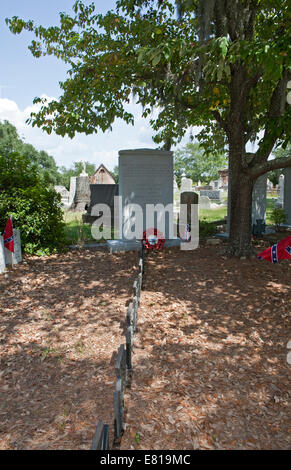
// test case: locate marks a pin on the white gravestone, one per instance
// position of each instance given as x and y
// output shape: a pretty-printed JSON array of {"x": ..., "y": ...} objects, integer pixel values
[
  {"x": 72, "y": 193},
  {"x": 204, "y": 202},
  {"x": 287, "y": 194},
  {"x": 259, "y": 199},
  {"x": 280, "y": 200},
  {"x": 2, "y": 255},
  {"x": 186, "y": 184},
  {"x": 16, "y": 257},
  {"x": 145, "y": 177}
]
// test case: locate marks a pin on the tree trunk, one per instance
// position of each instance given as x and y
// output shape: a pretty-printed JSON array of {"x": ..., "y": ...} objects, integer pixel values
[
  {"x": 241, "y": 217},
  {"x": 240, "y": 202}
]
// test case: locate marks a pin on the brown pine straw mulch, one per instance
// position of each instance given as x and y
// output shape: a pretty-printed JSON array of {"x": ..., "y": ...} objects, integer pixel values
[
  {"x": 210, "y": 369},
  {"x": 61, "y": 321}
]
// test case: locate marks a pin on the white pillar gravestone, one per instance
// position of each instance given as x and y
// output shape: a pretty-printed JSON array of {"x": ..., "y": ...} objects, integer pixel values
[
  {"x": 16, "y": 257},
  {"x": 287, "y": 194},
  {"x": 259, "y": 204},
  {"x": 2, "y": 256},
  {"x": 280, "y": 200}
]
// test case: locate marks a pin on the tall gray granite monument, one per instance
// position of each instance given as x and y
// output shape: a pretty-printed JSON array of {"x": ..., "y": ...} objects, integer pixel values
[{"x": 145, "y": 178}]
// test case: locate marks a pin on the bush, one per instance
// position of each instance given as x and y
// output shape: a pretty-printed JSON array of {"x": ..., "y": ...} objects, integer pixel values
[
  {"x": 206, "y": 229},
  {"x": 37, "y": 213},
  {"x": 278, "y": 216}
]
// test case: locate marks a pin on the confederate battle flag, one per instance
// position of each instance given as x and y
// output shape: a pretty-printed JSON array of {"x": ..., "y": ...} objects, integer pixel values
[
  {"x": 282, "y": 250},
  {"x": 8, "y": 236}
]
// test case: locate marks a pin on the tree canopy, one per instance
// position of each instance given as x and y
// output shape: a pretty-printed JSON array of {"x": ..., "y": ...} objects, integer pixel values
[
  {"x": 40, "y": 161},
  {"x": 197, "y": 164},
  {"x": 224, "y": 65},
  {"x": 75, "y": 170}
]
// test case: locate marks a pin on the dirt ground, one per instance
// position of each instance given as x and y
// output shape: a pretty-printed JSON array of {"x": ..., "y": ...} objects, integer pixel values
[
  {"x": 210, "y": 369},
  {"x": 61, "y": 320}
]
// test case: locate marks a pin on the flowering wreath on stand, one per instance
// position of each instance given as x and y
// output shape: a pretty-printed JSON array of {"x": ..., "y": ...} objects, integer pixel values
[{"x": 153, "y": 239}]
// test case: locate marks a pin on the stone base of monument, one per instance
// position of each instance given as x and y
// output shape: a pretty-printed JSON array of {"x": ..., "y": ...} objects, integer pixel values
[{"x": 116, "y": 246}]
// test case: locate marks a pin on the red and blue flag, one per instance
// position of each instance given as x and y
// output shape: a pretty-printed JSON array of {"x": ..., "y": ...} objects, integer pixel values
[
  {"x": 8, "y": 237},
  {"x": 281, "y": 250}
]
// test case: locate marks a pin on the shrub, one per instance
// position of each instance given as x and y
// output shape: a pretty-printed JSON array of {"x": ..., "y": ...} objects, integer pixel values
[
  {"x": 278, "y": 216},
  {"x": 37, "y": 213},
  {"x": 206, "y": 229}
]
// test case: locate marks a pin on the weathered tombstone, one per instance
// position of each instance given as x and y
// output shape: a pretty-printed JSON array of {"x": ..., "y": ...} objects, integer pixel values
[
  {"x": 189, "y": 198},
  {"x": 186, "y": 184},
  {"x": 259, "y": 199},
  {"x": 145, "y": 178},
  {"x": 82, "y": 192},
  {"x": 204, "y": 202},
  {"x": 211, "y": 194},
  {"x": 101, "y": 437},
  {"x": 287, "y": 194},
  {"x": 16, "y": 257},
  {"x": 2, "y": 255},
  {"x": 72, "y": 189},
  {"x": 64, "y": 194},
  {"x": 280, "y": 200},
  {"x": 101, "y": 194},
  {"x": 176, "y": 193}
]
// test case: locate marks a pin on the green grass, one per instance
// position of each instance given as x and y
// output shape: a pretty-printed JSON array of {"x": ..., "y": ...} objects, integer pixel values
[
  {"x": 77, "y": 232},
  {"x": 211, "y": 215}
]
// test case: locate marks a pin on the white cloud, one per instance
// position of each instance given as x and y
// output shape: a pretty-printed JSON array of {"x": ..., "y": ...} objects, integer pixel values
[{"x": 97, "y": 148}]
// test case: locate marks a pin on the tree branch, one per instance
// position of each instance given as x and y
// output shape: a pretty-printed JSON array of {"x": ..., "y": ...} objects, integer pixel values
[
  {"x": 270, "y": 165},
  {"x": 278, "y": 105},
  {"x": 220, "y": 121}
]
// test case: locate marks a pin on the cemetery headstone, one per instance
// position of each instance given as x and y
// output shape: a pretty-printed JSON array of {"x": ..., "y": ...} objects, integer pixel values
[
  {"x": 204, "y": 202},
  {"x": 64, "y": 194},
  {"x": 145, "y": 177},
  {"x": 186, "y": 184},
  {"x": 82, "y": 194},
  {"x": 101, "y": 194},
  {"x": 189, "y": 199},
  {"x": 280, "y": 200},
  {"x": 2, "y": 255},
  {"x": 287, "y": 194},
  {"x": 72, "y": 191},
  {"x": 259, "y": 200},
  {"x": 16, "y": 257},
  {"x": 211, "y": 194}
]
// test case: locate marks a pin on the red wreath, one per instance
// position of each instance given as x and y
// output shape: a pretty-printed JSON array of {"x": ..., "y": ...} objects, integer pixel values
[{"x": 146, "y": 239}]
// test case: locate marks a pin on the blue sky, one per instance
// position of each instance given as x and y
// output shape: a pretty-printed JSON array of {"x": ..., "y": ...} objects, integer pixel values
[{"x": 23, "y": 77}]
